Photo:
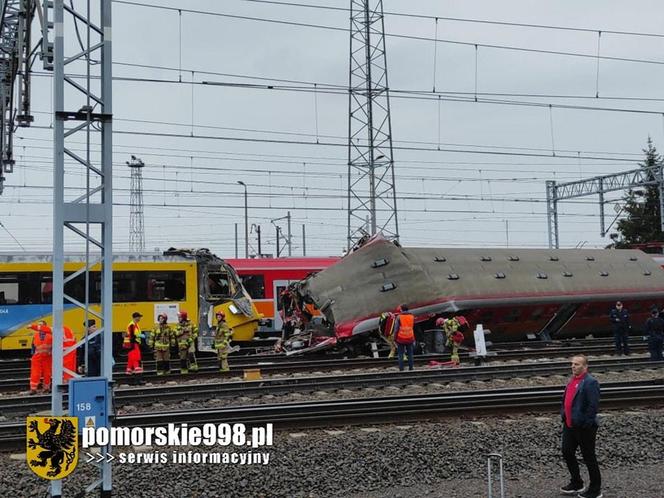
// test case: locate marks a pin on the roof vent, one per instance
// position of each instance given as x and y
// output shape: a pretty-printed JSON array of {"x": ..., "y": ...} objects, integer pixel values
[
  {"x": 647, "y": 273},
  {"x": 568, "y": 274},
  {"x": 440, "y": 259},
  {"x": 553, "y": 258},
  {"x": 388, "y": 286},
  {"x": 380, "y": 262},
  {"x": 452, "y": 276},
  {"x": 486, "y": 258},
  {"x": 590, "y": 258},
  {"x": 633, "y": 258},
  {"x": 500, "y": 274},
  {"x": 514, "y": 258},
  {"x": 604, "y": 273},
  {"x": 542, "y": 275}
]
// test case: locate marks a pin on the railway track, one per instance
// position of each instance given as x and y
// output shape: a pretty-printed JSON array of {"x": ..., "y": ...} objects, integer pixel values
[
  {"x": 17, "y": 379},
  {"x": 374, "y": 410},
  {"x": 23, "y": 405}
]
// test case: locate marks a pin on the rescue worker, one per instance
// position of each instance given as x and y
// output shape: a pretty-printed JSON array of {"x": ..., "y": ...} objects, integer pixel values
[
  {"x": 620, "y": 319},
  {"x": 132, "y": 343},
  {"x": 161, "y": 339},
  {"x": 386, "y": 327},
  {"x": 655, "y": 329},
  {"x": 439, "y": 336},
  {"x": 69, "y": 359},
  {"x": 40, "y": 362},
  {"x": 454, "y": 336},
  {"x": 222, "y": 340},
  {"x": 185, "y": 335},
  {"x": 404, "y": 336},
  {"x": 90, "y": 366}
]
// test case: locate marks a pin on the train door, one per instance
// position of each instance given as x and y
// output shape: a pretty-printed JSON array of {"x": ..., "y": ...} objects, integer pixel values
[{"x": 277, "y": 287}]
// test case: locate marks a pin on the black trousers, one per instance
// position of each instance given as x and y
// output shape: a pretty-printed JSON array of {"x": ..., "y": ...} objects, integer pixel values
[{"x": 585, "y": 438}]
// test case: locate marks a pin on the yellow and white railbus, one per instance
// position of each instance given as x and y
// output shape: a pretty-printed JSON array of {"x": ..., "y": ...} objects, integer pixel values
[{"x": 195, "y": 281}]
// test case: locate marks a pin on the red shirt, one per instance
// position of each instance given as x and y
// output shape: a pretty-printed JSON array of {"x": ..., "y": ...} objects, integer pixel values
[{"x": 570, "y": 391}]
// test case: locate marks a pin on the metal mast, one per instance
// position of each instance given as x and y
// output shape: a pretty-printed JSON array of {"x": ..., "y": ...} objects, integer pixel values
[
  {"x": 15, "y": 63},
  {"x": 371, "y": 189},
  {"x": 136, "y": 227},
  {"x": 82, "y": 98}
]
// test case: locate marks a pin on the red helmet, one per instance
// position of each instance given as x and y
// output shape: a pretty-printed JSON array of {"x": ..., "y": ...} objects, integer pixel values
[
  {"x": 462, "y": 321},
  {"x": 220, "y": 315},
  {"x": 440, "y": 322},
  {"x": 162, "y": 315},
  {"x": 182, "y": 315}
]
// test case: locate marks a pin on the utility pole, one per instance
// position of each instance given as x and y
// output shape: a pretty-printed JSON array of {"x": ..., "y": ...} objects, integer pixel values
[
  {"x": 289, "y": 239},
  {"x": 304, "y": 241},
  {"x": 290, "y": 246},
  {"x": 136, "y": 226},
  {"x": 371, "y": 184},
  {"x": 246, "y": 220},
  {"x": 256, "y": 227}
]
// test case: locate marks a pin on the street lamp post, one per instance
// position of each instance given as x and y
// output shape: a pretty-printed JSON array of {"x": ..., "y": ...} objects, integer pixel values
[{"x": 246, "y": 220}]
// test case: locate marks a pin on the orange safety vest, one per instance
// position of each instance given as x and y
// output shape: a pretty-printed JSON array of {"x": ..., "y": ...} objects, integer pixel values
[
  {"x": 127, "y": 340},
  {"x": 42, "y": 342},
  {"x": 406, "y": 333}
]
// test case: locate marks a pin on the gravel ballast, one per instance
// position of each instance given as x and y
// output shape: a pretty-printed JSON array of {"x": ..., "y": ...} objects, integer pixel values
[{"x": 441, "y": 458}]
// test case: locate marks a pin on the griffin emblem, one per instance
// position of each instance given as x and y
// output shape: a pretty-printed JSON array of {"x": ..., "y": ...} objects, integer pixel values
[{"x": 52, "y": 446}]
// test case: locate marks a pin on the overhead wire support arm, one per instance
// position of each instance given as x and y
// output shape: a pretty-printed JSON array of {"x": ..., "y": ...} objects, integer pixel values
[{"x": 599, "y": 185}]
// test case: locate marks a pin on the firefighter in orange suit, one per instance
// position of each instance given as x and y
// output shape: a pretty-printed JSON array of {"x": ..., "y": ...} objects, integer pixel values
[
  {"x": 69, "y": 360},
  {"x": 131, "y": 342},
  {"x": 40, "y": 363}
]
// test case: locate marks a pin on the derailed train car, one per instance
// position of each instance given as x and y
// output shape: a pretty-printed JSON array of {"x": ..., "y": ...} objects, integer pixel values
[{"x": 517, "y": 293}]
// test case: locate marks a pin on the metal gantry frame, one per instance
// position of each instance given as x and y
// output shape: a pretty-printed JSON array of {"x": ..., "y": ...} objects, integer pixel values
[
  {"x": 371, "y": 186},
  {"x": 15, "y": 51},
  {"x": 599, "y": 185},
  {"x": 82, "y": 98}
]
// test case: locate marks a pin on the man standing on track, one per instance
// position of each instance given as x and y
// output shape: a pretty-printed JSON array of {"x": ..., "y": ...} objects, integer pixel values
[
  {"x": 579, "y": 414},
  {"x": 222, "y": 341},
  {"x": 161, "y": 339},
  {"x": 40, "y": 362},
  {"x": 132, "y": 343},
  {"x": 404, "y": 336},
  {"x": 620, "y": 320},
  {"x": 185, "y": 334}
]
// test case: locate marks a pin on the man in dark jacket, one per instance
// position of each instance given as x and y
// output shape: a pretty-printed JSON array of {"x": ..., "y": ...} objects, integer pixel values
[
  {"x": 620, "y": 320},
  {"x": 655, "y": 330},
  {"x": 579, "y": 414},
  {"x": 91, "y": 366}
]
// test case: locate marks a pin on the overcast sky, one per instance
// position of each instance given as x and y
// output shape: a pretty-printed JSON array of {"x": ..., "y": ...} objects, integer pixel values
[{"x": 478, "y": 196}]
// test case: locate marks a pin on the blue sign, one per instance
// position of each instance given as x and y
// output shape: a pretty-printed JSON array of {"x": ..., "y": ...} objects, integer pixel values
[{"x": 88, "y": 400}]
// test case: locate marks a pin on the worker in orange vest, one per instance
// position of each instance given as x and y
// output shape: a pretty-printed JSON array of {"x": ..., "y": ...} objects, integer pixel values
[
  {"x": 405, "y": 336},
  {"x": 69, "y": 360},
  {"x": 40, "y": 363},
  {"x": 132, "y": 343}
]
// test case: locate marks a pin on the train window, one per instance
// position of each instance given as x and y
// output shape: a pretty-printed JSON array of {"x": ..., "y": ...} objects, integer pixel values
[
  {"x": 452, "y": 276},
  {"x": 500, "y": 274},
  {"x": 486, "y": 258},
  {"x": 255, "y": 285},
  {"x": 165, "y": 286},
  {"x": 440, "y": 259},
  {"x": 46, "y": 288},
  {"x": 9, "y": 289},
  {"x": 219, "y": 285},
  {"x": 514, "y": 258},
  {"x": 542, "y": 275},
  {"x": 127, "y": 287},
  {"x": 388, "y": 286},
  {"x": 380, "y": 262}
]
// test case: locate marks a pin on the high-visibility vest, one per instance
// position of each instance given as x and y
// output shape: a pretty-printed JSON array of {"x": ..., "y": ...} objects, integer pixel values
[
  {"x": 42, "y": 342},
  {"x": 127, "y": 340},
  {"x": 406, "y": 333}
]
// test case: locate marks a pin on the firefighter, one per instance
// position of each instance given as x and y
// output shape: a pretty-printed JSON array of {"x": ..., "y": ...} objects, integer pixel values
[
  {"x": 132, "y": 343},
  {"x": 185, "y": 335},
  {"x": 69, "y": 359},
  {"x": 404, "y": 336},
  {"x": 439, "y": 336},
  {"x": 40, "y": 363},
  {"x": 222, "y": 339},
  {"x": 454, "y": 336},
  {"x": 161, "y": 339},
  {"x": 386, "y": 327}
]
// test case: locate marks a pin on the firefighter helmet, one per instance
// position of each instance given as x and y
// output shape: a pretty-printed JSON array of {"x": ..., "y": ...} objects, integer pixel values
[
  {"x": 440, "y": 322},
  {"x": 462, "y": 321},
  {"x": 182, "y": 316},
  {"x": 162, "y": 315},
  {"x": 220, "y": 315}
]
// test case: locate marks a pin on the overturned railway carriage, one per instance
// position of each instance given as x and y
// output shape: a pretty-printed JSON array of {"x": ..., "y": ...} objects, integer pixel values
[
  {"x": 195, "y": 281},
  {"x": 513, "y": 292}
]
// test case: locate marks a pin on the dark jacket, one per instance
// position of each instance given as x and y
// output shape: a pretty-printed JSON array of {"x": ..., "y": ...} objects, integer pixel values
[
  {"x": 585, "y": 403},
  {"x": 619, "y": 319},
  {"x": 655, "y": 327}
]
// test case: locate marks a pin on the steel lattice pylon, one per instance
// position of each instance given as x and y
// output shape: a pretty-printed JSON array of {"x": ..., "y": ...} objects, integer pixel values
[
  {"x": 136, "y": 227},
  {"x": 371, "y": 189}
]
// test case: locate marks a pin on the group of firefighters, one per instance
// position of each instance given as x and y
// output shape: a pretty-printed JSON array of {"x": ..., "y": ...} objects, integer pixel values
[{"x": 162, "y": 339}]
